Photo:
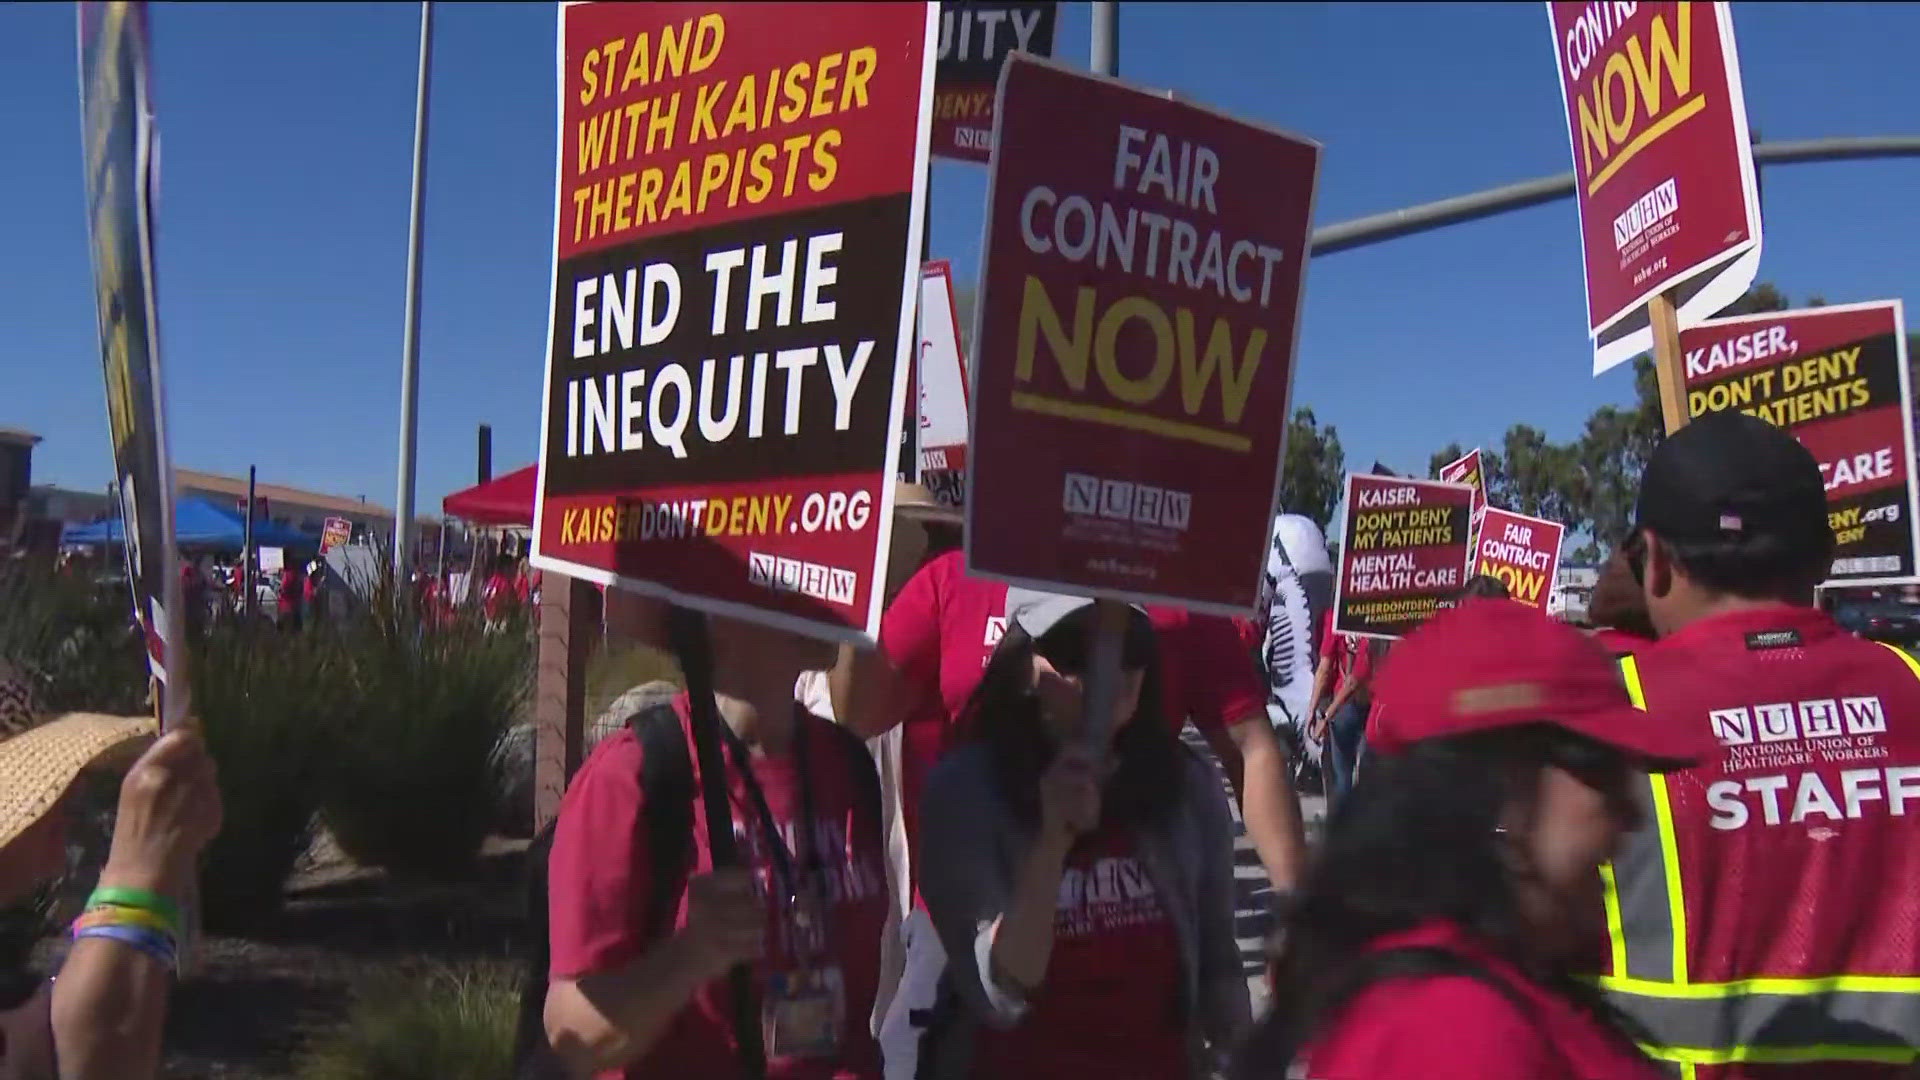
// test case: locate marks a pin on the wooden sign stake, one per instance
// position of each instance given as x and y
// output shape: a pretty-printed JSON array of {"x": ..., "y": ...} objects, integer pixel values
[
  {"x": 1669, "y": 363},
  {"x": 1103, "y": 671}
]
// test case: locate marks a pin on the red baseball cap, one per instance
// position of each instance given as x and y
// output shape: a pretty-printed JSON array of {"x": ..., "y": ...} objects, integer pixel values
[{"x": 1491, "y": 663}]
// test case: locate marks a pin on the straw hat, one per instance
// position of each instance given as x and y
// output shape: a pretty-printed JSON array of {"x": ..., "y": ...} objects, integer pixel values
[
  {"x": 39, "y": 761},
  {"x": 913, "y": 502}
]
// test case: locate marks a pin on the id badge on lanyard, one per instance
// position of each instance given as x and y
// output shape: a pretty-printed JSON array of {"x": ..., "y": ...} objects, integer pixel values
[{"x": 804, "y": 1007}]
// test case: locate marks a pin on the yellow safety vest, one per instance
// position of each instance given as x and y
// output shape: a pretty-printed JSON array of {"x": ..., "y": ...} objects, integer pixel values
[{"x": 1764, "y": 1021}]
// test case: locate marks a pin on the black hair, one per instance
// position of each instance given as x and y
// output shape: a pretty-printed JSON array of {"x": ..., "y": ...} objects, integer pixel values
[
  {"x": 1485, "y": 586},
  {"x": 1764, "y": 567},
  {"x": 943, "y": 537},
  {"x": 1003, "y": 714},
  {"x": 1416, "y": 841}
]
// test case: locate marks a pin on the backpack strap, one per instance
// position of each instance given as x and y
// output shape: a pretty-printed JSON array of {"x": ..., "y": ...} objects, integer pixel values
[
  {"x": 666, "y": 776},
  {"x": 864, "y": 775}
]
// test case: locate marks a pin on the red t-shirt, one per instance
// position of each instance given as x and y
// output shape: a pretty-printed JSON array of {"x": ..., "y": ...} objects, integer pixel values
[
  {"x": 599, "y": 885},
  {"x": 942, "y": 628},
  {"x": 1109, "y": 1005},
  {"x": 1619, "y": 642},
  {"x": 494, "y": 596},
  {"x": 1456, "y": 1027},
  {"x": 289, "y": 590},
  {"x": 1352, "y": 659}
]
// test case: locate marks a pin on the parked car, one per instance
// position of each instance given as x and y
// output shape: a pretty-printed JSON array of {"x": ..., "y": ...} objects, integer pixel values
[{"x": 1894, "y": 621}]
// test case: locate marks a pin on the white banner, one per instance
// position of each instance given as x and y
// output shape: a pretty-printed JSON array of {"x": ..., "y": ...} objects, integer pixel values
[{"x": 943, "y": 373}]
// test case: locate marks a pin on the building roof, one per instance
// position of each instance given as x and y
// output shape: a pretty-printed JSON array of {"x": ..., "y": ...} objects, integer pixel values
[
  {"x": 18, "y": 437},
  {"x": 237, "y": 487}
]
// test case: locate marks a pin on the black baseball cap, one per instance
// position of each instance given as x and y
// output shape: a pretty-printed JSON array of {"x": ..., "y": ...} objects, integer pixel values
[{"x": 1732, "y": 477}]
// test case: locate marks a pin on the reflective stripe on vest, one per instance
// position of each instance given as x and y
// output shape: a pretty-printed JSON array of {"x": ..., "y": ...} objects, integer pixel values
[{"x": 1863, "y": 1018}]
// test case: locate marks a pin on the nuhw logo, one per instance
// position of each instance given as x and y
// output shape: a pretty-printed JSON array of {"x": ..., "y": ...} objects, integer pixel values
[
  {"x": 1786, "y": 721},
  {"x": 1128, "y": 501},
  {"x": 780, "y": 574},
  {"x": 996, "y": 629}
]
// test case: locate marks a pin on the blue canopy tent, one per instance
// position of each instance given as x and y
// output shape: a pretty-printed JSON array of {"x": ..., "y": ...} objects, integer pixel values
[{"x": 199, "y": 523}]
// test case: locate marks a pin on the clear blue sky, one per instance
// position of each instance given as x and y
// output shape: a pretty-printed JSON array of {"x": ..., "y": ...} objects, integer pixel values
[{"x": 287, "y": 134}]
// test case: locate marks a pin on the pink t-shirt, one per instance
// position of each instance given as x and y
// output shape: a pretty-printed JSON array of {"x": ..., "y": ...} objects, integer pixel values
[{"x": 942, "y": 628}]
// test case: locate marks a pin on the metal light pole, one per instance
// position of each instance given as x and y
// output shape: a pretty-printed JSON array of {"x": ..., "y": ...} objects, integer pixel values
[
  {"x": 410, "y": 351},
  {"x": 1105, "y": 56},
  {"x": 1410, "y": 220}
]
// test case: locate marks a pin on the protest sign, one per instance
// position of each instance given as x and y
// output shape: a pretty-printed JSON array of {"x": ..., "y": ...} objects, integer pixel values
[
  {"x": 117, "y": 125},
  {"x": 1466, "y": 470},
  {"x": 1663, "y": 169},
  {"x": 1837, "y": 378},
  {"x": 737, "y": 239},
  {"x": 338, "y": 530},
  {"x": 1522, "y": 551},
  {"x": 1403, "y": 553},
  {"x": 1137, "y": 314},
  {"x": 976, "y": 37},
  {"x": 942, "y": 386}
]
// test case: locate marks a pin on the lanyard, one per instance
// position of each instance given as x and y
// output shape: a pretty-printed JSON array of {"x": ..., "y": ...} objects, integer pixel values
[{"x": 783, "y": 861}]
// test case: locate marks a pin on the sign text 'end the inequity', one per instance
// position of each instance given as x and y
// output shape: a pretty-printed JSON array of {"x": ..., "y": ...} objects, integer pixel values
[{"x": 677, "y": 400}]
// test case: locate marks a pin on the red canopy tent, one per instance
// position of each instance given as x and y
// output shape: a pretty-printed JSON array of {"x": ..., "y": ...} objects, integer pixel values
[{"x": 503, "y": 500}]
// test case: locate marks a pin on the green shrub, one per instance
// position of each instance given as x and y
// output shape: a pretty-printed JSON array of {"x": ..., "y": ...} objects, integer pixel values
[
  {"x": 410, "y": 781},
  {"x": 265, "y": 700},
  {"x": 439, "y": 1025},
  {"x": 76, "y": 640}
]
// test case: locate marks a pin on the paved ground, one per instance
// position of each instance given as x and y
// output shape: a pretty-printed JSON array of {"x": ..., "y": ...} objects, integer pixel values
[{"x": 1251, "y": 912}]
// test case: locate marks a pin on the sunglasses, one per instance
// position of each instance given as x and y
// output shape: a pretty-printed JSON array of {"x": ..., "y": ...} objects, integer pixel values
[
  {"x": 1601, "y": 768},
  {"x": 1070, "y": 649}
]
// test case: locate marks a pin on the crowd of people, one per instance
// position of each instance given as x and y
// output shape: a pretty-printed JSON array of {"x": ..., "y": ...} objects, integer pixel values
[
  {"x": 1675, "y": 842},
  {"x": 1678, "y": 842}
]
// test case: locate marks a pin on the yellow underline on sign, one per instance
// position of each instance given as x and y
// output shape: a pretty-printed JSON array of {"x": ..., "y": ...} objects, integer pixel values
[
  {"x": 1153, "y": 425},
  {"x": 1645, "y": 139}
]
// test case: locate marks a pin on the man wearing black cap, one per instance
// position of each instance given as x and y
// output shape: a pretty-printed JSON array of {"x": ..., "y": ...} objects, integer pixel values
[{"x": 1766, "y": 921}]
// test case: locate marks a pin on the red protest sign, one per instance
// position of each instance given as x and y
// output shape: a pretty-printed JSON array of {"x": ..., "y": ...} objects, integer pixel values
[
  {"x": 1403, "y": 553},
  {"x": 1663, "y": 169},
  {"x": 1837, "y": 378},
  {"x": 737, "y": 243},
  {"x": 1466, "y": 470},
  {"x": 1522, "y": 551},
  {"x": 1139, "y": 301},
  {"x": 976, "y": 37},
  {"x": 337, "y": 532}
]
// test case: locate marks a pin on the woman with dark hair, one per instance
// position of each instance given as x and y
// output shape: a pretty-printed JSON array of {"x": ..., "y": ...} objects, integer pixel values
[
  {"x": 1436, "y": 934},
  {"x": 1082, "y": 884},
  {"x": 1485, "y": 587}
]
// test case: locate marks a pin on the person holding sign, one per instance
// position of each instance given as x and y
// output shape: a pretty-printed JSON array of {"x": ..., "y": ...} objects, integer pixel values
[
  {"x": 104, "y": 1014},
  {"x": 936, "y": 640},
  {"x": 1436, "y": 933},
  {"x": 640, "y": 938},
  {"x": 1083, "y": 893}
]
